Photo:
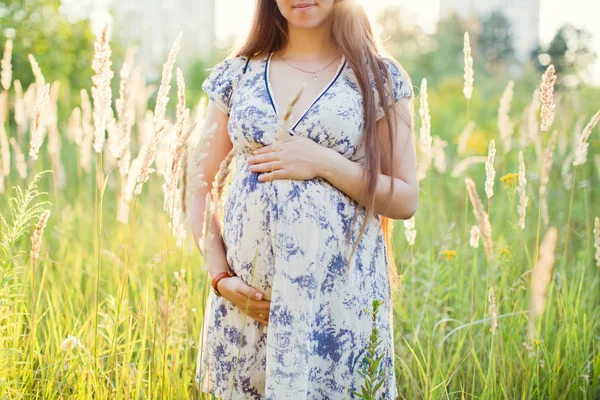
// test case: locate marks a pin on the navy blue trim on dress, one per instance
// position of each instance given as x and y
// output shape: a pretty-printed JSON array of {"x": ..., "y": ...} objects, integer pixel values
[
  {"x": 321, "y": 95},
  {"x": 267, "y": 84},
  {"x": 246, "y": 66}
]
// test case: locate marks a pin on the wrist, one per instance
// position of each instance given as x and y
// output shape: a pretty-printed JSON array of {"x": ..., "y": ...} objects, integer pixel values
[{"x": 325, "y": 162}]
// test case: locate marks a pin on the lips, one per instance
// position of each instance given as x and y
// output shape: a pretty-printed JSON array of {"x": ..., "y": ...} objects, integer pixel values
[{"x": 303, "y": 6}]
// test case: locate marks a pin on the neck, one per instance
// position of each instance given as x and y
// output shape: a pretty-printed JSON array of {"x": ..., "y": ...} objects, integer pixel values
[{"x": 309, "y": 43}]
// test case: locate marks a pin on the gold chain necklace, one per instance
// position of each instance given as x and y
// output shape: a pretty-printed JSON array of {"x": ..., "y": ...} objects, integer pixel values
[{"x": 313, "y": 73}]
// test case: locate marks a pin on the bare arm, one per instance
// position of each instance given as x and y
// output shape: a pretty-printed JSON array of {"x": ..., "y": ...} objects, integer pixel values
[
  {"x": 216, "y": 151},
  {"x": 248, "y": 299},
  {"x": 346, "y": 175}
]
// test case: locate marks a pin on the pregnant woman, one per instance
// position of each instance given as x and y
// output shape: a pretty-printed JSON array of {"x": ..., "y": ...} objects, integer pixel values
[{"x": 305, "y": 244}]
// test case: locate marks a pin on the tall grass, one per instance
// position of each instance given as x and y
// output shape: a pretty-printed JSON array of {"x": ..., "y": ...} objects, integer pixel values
[{"x": 111, "y": 309}]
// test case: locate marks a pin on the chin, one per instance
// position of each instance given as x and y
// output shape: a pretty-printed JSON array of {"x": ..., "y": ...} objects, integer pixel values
[{"x": 306, "y": 14}]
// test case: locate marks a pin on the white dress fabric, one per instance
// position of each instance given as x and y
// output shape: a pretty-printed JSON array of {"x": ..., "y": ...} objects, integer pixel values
[{"x": 287, "y": 238}]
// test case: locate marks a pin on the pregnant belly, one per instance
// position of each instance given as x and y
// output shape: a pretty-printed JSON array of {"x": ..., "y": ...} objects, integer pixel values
[{"x": 267, "y": 224}]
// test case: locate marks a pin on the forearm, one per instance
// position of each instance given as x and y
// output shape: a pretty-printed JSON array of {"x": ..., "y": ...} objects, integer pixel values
[
  {"x": 347, "y": 176},
  {"x": 216, "y": 259}
]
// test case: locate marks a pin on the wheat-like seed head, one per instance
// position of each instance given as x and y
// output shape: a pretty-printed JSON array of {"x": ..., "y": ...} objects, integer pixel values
[
  {"x": 582, "y": 149},
  {"x": 4, "y": 152},
  {"x": 283, "y": 129},
  {"x": 492, "y": 311},
  {"x": 20, "y": 163},
  {"x": 523, "y": 199},
  {"x": 475, "y": 233},
  {"x": 36, "y": 238},
  {"x": 101, "y": 91},
  {"x": 482, "y": 218},
  {"x": 505, "y": 126},
  {"x": 490, "y": 172},
  {"x": 6, "y": 66},
  {"x": 547, "y": 97},
  {"x": 410, "y": 231},
  {"x": 439, "y": 155},
  {"x": 468, "y": 87},
  {"x": 541, "y": 276},
  {"x": 125, "y": 122},
  {"x": 463, "y": 138},
  {"x": 40, "y": 82},
  {"x": 597, "y": 240},
  {"x": 462, "y": 166},
  {"x": 425, "y": 139},
  {"x": 37, "y": 136}
]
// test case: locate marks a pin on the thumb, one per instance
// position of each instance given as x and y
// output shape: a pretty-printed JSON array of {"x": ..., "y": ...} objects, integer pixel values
[{"x": 247, "y": 290}]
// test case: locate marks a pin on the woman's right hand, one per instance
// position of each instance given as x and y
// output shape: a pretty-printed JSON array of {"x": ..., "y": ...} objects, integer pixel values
[{"x": 248, "y": 299}]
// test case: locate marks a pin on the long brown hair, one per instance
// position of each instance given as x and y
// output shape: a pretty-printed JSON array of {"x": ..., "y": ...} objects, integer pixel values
[{"x": 352, "y": 33}]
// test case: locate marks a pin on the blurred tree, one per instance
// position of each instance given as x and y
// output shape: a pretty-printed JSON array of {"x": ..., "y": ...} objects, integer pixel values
[
  {"x": 571, "y": 53},
  {"x": 64, "y": 50},
  {"x": 496, "y": 42}
]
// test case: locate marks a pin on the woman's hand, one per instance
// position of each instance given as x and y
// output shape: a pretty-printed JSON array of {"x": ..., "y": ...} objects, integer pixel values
[
  {"x": 237, "y": 291},
  {"x": 297, "y": 158}
]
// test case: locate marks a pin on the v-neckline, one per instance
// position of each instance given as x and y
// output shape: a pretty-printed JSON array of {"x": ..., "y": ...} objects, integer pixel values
[{"x": 325, "y": 89}]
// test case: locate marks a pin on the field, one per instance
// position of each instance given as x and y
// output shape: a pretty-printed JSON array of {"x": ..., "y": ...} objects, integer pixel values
[{"x": 102, "y": 289}]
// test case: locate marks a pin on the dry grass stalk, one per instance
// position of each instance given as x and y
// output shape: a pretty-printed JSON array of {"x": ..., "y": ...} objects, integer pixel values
[
  {"x": 490, "y": 172},
  {"x": 36, "y": 238},
  {"x": 19, "y": 108},
  {"x": 474, "y": 240},
  {"x": 439, "y": 155},
  {"x": 37, "y": 134},
  {"x": 6, "y": 66},
  {"x": 149, "y": 149},
  {"x": 532, "y": 125},
  {"x": 74, "y": 130},
  {"x": 582, "y": 149},
  {"x": 425, "y": 139},
  {"x": 597, "y": 240},
  {"x": 207, "y": 235},
  {"x": 101, "y": 91},
  {"x": 4, "y": 152},
  {"x": 20, "y": 163},
  {"x": 176, "y": 146},
  {"x": 3, "y": 107},
  {"x": 125, "y": 122},
  {"x": 482, "y": 218},
  {"x": 462, "y": 166},
  {"x": 545, "y": 177},
  {"x": 492, "y": 311},
  {"x": 547, "y": 97},
  {"x": 40, "y": 82},
  {"x": 123, "y": 203},
  {"x": 85, "y": 148},
  {"x": 505, "y": 126},
  {"x": 468, "y": 86},
  {"x": 463, "y": 138},
  {"x": 523, "y": 199},
  {"x": 410, "y": 231},
  {"x": 283, "y": 129},
  {"x": 541, "y": 276}
]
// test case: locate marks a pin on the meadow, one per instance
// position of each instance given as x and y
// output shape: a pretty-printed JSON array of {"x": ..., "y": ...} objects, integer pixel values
[{"x": 102, "y": 288}]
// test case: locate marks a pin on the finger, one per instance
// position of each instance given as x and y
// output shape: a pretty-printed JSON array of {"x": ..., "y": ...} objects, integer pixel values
[
  {"x": 265, "y": 157},
  {"x": 249, "y": 291},
  {"x": 266, "y": 167},
  {"x": 270, "y": 176},
  {"x": 263, "y": 149}
]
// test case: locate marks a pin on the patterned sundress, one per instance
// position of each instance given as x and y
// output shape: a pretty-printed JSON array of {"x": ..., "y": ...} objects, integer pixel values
[{"x": 288, "y": 238}]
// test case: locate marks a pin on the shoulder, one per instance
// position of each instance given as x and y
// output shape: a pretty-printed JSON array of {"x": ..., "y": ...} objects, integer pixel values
[
  {"x": 223, "y": 79},
  {"x": 400, "y": 80}
]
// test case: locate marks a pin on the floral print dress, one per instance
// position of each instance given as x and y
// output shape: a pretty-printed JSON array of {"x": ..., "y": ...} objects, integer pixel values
[{"x": 288, "y": 238}]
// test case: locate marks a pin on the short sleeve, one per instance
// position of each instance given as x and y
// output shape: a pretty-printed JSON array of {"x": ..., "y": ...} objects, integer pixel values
[
  {"x": 222, "y": 81},
  {"x": 401, "y": 85}
]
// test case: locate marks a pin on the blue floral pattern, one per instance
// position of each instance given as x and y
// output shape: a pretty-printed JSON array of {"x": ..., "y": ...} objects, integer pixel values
[{"x": 319, "y": 324}]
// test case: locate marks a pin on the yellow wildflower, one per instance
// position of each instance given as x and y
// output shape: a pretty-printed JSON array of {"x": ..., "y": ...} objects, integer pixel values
[
  {"x": 449, "y": 254},
  {"x": 510, "y": 179}
]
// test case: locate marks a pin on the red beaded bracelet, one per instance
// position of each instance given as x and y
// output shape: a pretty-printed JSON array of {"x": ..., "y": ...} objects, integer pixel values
[{"x": 221, "y": 275}]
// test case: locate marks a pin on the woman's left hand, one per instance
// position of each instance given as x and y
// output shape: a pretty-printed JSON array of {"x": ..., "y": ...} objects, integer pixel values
[{"x": 297, "y": 158}]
